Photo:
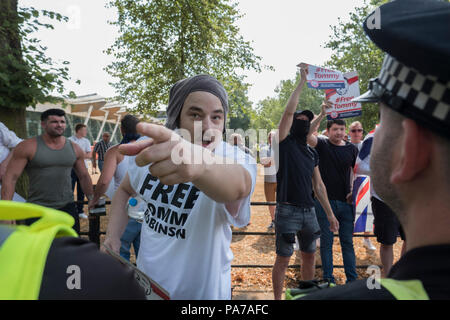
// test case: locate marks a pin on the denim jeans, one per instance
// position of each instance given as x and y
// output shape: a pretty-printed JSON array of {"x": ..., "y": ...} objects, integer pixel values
[
  {"x": 291, "y": 220},
  {"x": 131, "y": 235},
  {"x": 100, "y": 165},
  {"x": 344, "y": 214}
]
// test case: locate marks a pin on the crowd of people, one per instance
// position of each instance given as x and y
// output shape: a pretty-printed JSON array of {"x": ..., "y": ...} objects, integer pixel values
[{"x": 190, "y": 190}]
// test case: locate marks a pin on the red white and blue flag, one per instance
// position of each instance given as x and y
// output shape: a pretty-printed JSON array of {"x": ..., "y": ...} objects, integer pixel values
[
  {"x": 362, "y": 204},
  {"x": 361, "y": 189}
]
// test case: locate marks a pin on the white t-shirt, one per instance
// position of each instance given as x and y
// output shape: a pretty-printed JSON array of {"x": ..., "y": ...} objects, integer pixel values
[
  {"x": 270, "y": 173},
  {"x": 117, "y": 178},
  {"x": 186, "y": 236},
  {"x": 84, "y": 144},
  {"x": 8, "y": 140}
]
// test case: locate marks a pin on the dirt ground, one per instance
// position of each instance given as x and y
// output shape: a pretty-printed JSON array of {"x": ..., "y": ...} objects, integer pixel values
[{"x": 256, "y": 283}]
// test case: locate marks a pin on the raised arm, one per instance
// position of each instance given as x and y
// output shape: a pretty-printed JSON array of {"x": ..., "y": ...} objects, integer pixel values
[
  {"x": 82, "y": 173},
  {"x": 315, "y": 123},
  {"x": 286, "y": 119},
  {"x": 173, "y": 161}
]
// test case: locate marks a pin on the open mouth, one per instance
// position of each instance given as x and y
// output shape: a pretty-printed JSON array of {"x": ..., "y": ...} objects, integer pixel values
[{"x": 206, "y": 143}]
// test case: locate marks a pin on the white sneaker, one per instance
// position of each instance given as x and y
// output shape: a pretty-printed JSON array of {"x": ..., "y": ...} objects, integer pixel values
[
  {"x": 82, "y": 215},
  {"x": 369, "y": 244},
  {"x": 296, "y": 244}
]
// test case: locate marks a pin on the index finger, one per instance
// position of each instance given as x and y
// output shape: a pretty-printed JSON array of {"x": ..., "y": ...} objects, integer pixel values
[
  {"x": 132, "y": 149},
  {"x": 157, "y": 132}
]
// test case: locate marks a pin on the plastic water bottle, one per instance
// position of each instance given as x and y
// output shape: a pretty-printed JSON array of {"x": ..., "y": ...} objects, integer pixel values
[
  {"x": 296, "y": 244},
  {"x": 136, "y": 208},
  {"x": 100, "y": 208}
]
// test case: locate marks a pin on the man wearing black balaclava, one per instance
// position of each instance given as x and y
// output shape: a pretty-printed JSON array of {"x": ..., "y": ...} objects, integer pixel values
[{"x": 297, "y": 175}]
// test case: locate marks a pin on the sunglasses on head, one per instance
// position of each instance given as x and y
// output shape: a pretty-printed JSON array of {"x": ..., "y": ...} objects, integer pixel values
[{"x": 356, "y": 130}]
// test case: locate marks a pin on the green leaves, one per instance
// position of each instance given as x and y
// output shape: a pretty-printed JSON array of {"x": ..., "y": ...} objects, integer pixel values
[
  {"x": 353, "y": 50},
  {"x": 27, "y": 75},
  {"x": 163, "y": 41},
  {"x": 270, "y": 110}
]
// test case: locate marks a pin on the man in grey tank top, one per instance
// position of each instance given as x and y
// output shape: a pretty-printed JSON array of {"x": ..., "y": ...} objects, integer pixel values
[{"x": 48, "y": 160}]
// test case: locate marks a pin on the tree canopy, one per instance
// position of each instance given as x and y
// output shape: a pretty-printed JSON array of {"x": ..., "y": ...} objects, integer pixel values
[
  {"x": 27, "y": 75},
  {"x": 163, "y": 41},
  {"x": 270, "y": 110},
  {"x": 353, "y": 50}
]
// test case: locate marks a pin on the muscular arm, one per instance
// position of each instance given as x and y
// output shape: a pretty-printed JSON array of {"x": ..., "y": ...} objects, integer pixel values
[
  {"x": 110, "y": 165},
  {"x": 20, "y": 157},
  {"x": 321, "y": 193},
  {"x": 81, "y": 171},
  {"x": 286, "y": 119},
  {"x": 4, "y": 164}
]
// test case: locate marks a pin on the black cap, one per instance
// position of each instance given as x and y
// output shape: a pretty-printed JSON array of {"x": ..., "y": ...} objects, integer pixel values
[
  {"x": 307, "y": 113},
  {"x": 414, "y": 79}
]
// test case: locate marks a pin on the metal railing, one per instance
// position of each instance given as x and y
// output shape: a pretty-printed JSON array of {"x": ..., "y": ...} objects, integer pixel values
[{"x": 94, "y": 234}]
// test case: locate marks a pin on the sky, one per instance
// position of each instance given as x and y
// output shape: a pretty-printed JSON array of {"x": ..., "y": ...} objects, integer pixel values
[{"x": 282, "y": 32}]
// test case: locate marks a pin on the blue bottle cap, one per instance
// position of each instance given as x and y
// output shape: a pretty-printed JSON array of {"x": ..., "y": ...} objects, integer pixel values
[{"x": 133, "y": 202}]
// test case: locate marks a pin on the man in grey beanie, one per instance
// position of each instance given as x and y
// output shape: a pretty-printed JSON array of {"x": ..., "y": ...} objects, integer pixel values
[
  {"x": 181, "y": 89},
  {"x": 195, "y": 186}
]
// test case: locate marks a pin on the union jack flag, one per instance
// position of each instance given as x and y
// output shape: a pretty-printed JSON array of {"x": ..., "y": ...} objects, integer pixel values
[
  {"x": 361, "y": 188},
  {"x": 362, "y": 204}
]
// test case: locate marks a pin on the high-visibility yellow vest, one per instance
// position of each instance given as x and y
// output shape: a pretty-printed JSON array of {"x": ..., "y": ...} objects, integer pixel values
[
  {"x": 400, "y": 289},
  {"x": 405, "y": 289},
  {"x": 24, "y": 249}
]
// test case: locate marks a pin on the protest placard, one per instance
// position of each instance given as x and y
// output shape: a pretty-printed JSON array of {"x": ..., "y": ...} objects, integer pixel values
[
  {"x": 341, "y": 98},
  {"x": 321, "y": 78}
]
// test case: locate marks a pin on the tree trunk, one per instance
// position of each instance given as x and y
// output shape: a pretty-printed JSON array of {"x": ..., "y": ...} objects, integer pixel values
[{"x": 13, "y": 118}]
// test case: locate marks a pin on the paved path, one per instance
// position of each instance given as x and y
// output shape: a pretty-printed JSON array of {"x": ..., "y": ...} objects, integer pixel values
[{"x": 252, "y": 295}]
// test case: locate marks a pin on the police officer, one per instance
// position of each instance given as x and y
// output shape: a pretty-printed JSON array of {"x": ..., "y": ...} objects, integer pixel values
[
  {"x": 411, "y": 152},
  {"x": 48, "y": 261}
]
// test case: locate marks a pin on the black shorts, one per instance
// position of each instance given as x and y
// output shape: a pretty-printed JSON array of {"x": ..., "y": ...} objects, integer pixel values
[
  {"x": 290, "y": 221},
  {"x": 387, "y": 226}
]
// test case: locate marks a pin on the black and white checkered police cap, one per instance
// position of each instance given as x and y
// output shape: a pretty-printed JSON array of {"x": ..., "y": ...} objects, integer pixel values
[{"x": 414, "y": 79}]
